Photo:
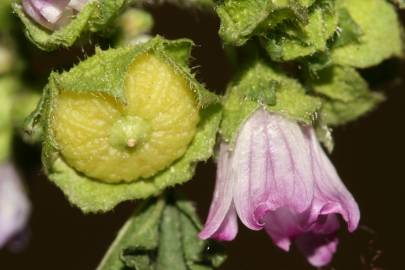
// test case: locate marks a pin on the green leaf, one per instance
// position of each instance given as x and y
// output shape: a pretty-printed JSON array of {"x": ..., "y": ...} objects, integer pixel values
[
  {"x": 338, "y": 113},
  {"x": 292, "y": 40},
  {"x": 345, "y": 93},
  {"x": 289, "y": 97},
  {"x": 381, "y": 34},
  {"x": 197, "y": 252},
  {"x": 162, "y": 235},
  {"x": 242, "y": 19},
  {"x": 170, "y": 254},
  {"x": 94, "y": 17},
  {"x": 141, "y": 232}
]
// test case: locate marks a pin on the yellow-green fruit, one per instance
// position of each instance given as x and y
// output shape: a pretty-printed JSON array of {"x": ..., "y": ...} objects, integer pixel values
[{"x": 114, "y": 142}]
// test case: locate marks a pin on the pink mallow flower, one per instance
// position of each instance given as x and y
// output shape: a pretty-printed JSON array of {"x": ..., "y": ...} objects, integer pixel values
[
  {"x": 278, "y": 178},
  {"x": 14, "y": 204},
  {"x": 52, "y": 14}
]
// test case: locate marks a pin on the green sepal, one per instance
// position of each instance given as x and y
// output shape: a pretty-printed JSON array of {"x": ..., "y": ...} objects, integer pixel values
[
  {"x": 289, "y": 98},
  {"x": 292, "y": 40},
  {"x": 242, "y": 19},
  {"x": 95, "y": 196},
  {"x": 349, "y": 31},
  {"x": 346, "y": 95},
  {"x": 34, "y": 123},
  {"x": 94, "y": 17},
  {"x": 160, "y": 235},
  {"x": 313, "y": 64},
  {"x": 111, "y": 66},
  {"x": 381, "y": 34}
]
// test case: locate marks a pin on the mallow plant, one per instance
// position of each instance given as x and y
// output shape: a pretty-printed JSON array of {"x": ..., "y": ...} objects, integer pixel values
[{"x": 131, "y": 122}]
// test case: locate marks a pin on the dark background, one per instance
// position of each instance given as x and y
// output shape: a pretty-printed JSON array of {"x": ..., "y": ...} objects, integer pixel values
[{"x": 369, "y": 157}]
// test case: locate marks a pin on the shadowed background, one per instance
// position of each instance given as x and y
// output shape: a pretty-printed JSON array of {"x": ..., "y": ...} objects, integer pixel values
[{"x": 369, "y": 156}]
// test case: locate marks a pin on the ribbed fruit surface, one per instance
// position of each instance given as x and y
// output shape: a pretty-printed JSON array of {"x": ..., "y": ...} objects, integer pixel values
[{"x": 82, "y": 123}]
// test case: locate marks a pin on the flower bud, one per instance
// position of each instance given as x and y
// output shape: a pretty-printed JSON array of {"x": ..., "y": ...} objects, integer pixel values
[
  {"x": 126, "y": 123},
  {"x": 53, "y": 24},
  {"x": 134, "y": 25},
  {"x": 52, "y": 14}
]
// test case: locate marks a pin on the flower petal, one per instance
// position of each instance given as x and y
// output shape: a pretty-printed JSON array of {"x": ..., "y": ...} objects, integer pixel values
[
  {"x": 221, "y": 212},
  {"x": 228, "y": 229},
  {"x": 331, "y": 195},
  {"x": 271, "y": 168},
  {"x": 52, "y": 11},
  {"x": 319, "y": 247},
  {"x": 14, "y": 205},
  {"x": 282, "y": 225},
  {"x": 292, "y": 184},
  {"x": 34, "y": 14},
  {"x": 77, "y": 4},
  {"x": 251, "y": 167}
]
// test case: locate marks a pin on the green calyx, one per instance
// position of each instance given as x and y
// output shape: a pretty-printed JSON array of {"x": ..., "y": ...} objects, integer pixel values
[
  {"x": 96, "y": 16},
  {"x": 104, "y": 77},
  {"x": 243, "y": 19},
  {"x": 358, "y": 33},
  {"x": 262, "y": 85},
  {"x": 289, "y": 41}
]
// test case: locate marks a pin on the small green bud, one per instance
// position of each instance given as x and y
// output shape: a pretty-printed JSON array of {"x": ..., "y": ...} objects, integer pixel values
[{"x": 133, "y": 23}]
